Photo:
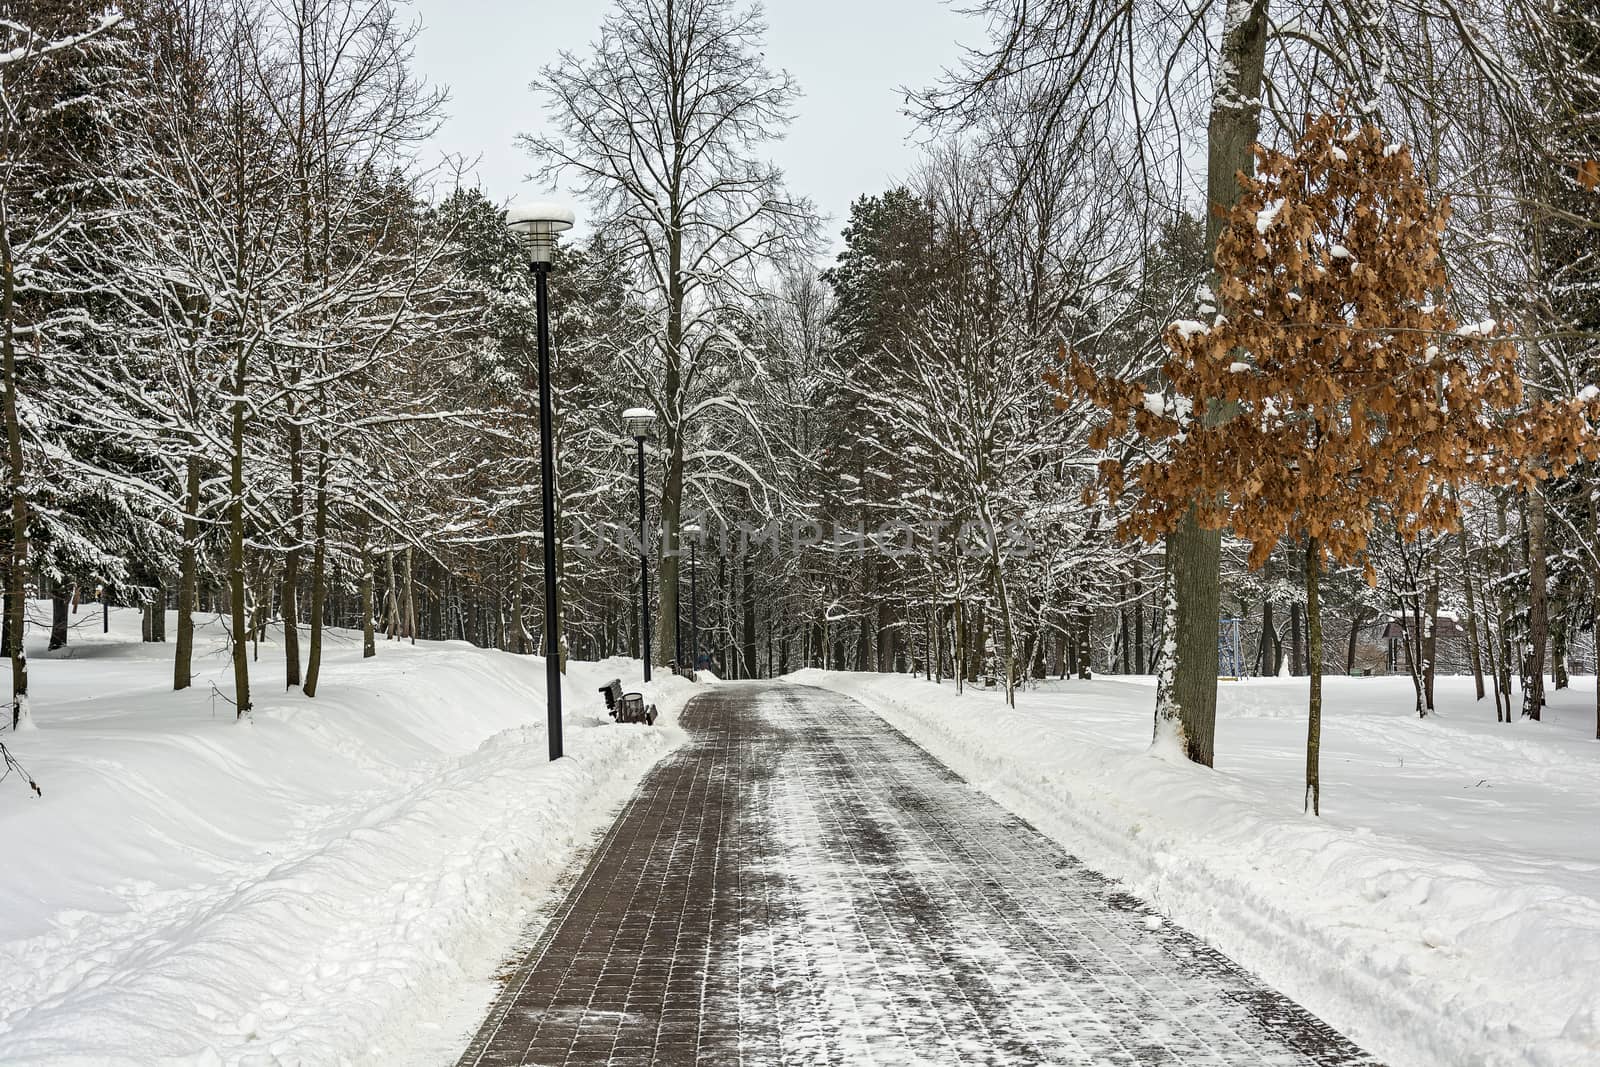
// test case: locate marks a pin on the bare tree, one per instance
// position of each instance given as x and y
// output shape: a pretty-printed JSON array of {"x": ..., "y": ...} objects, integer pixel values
[{"x": 658, "y": 128}]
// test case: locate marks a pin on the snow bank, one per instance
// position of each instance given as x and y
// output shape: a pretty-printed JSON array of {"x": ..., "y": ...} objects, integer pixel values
[
  {"x": 1444, "y": 911},
  {"x": 335, "y": 882}
]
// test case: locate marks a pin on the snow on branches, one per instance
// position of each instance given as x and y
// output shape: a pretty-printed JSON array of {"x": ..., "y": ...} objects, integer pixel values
[{"x": 1335, "y": 388}]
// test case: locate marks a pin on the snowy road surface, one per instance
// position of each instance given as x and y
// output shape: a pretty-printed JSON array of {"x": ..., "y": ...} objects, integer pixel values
[{"x": 801, "y": 884}]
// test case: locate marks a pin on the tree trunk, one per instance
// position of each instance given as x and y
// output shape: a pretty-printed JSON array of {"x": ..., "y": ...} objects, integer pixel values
[
  {"x": 391, "y": 598},
  {"x": 1503, "y": 607},
  {"x": 1190, "y": 692},
  {"x": 1314, "y": 724},
  {"x": 1195, "y": 555},
  {"x": 291, "y": 561},
  {"x": 369, "y": 642},
  {"x": 319, "y": 576},
  {"x": 748, "y": 613},
  {"x": 1594, "y": 583},
  {"x": 60, "y": 606},
  {"x": 188, "y": 576},
  {"x": 241, "y": 661},
  {"x": 410, "y": 612},
  {"x": 886, "y": 637},
  {"x": 1356, "y": 622},
  {"x": 17, "y": 564},
  {"x": 1558, "y": 643},
  {"x": 1412, "y": 610},
  {"x": 1124, "y": 636},
  {"x": 519, "y": 637},
  {"x": 1138, "y": 619},
  {"x": 972, "y": 641},
  {"x": 1085, "y": 657},
  {"x": 674, "y": 430},
  {"x": 1538, "y": 607},
  {"x": 866, "y": 653},
  {"x": 1430, "y": 633},
  {"x": 978, "y": 645},
  {"x": 1266, "y": 653},
  {"x": 960, "y": 659},
  {"x": 1490, "y": 644},
  {"x": 1296, "y": 648},
  {"x": 258, "y": 606},
  {"x": 1464, "y": 549}
]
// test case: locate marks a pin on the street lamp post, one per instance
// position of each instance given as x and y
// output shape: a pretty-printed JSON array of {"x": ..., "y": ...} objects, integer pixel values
[
  {"x": 692, "y": 531},
  {"x": 535, "y": 227},
  {"x": 639, "y": 423}
]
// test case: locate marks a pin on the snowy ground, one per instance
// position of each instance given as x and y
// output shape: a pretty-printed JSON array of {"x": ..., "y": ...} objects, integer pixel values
[
  {"x": 335, "y": 882},
  {"x": 1444, "y": 911}
]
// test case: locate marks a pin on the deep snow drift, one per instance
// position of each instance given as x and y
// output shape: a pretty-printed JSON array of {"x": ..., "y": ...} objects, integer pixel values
[
  {"x": 334, "y": 882},
  {"x": 1445, "y": 910}
]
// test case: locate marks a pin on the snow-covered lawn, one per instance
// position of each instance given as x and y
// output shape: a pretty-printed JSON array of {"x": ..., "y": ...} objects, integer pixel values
[
  {"x": 335, "y": 882},
  {"x": 1444, "y": 911}
]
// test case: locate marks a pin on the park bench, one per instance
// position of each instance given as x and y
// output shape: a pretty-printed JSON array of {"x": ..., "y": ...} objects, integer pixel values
[{"x": 627, "y": 707}]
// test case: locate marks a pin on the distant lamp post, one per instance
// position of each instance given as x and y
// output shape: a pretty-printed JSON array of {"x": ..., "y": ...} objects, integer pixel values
[
  {"x": 535, "y": 226},
  {"x": 640, "y": 424},
  {"x": 692, "y": 532}
]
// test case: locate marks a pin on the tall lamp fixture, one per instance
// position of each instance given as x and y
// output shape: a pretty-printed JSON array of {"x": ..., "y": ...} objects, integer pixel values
[
  {"x": 535, "y": 226},
  {"x": 640, "y": 424}
]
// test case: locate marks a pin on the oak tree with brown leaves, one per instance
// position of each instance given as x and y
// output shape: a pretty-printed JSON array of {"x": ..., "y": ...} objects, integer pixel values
[{"x": 1350, "y": 392}]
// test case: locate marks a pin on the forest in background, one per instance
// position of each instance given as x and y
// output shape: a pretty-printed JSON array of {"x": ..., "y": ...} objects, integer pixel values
[{"x": 261, "y": 360}]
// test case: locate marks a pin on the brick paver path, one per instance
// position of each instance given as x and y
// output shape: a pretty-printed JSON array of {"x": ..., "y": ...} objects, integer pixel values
[{"x": 803, "y": 885}]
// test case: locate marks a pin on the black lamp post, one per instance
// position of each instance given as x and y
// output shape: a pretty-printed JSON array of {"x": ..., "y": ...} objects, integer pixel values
[
  {"x": 692, "y": 531},
  {"x": 639, "y": 423},
  {"x": 535, "y": 227},
  {"x": 677, "y": 611}
]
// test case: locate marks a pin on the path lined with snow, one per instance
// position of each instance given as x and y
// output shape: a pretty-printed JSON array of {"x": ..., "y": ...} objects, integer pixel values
[
  {"x": 801, "y": 883},
  {"x": 332, "y": 883},
  {"x": 1454, "y": 864}
]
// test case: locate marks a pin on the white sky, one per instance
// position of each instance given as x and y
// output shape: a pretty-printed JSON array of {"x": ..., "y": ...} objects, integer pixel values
[{"x": 850, "y": 57}]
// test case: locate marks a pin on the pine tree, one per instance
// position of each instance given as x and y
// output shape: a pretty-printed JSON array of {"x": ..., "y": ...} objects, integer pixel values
[{"x": 48, "y": 86}]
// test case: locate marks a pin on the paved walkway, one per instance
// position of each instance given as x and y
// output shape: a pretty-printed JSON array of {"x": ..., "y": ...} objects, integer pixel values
[{"x": 802, "y": 885}]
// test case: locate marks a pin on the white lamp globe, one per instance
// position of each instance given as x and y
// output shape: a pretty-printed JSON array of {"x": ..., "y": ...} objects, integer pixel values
[
  {"x": 535, "y": 225},
  {"x": 639, "y": 422}
]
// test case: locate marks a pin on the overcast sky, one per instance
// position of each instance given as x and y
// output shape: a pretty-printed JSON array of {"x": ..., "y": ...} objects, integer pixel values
[{"x": 849, "y": 56}]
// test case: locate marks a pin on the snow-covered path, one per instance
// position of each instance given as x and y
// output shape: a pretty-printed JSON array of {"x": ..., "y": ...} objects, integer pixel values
[{"x": 802, "y": 884}]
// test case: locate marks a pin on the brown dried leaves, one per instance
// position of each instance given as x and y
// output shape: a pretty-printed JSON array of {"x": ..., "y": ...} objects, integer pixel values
[{"x": 1335, "y": 386}]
